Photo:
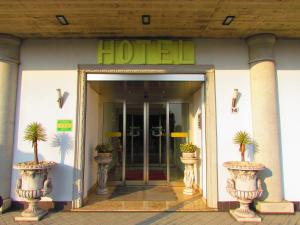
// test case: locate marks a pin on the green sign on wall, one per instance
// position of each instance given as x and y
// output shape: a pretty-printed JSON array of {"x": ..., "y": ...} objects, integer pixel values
[
  {"x": 146, "y": 52},
  {"x": 64, "y": 125}
]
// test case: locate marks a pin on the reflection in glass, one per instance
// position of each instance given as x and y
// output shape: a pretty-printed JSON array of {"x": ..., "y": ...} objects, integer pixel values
[
  {"x": 179, "y": 123},
  {"x": 112, "y": 133},
  {"x": 134, "y": 142},
  {"x": 157, "y": 142}
]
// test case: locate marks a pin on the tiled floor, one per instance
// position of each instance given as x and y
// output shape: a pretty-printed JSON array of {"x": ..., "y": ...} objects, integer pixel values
[
  {"x": 145, "y": 198},
  {"x": 141, "y": 218}
]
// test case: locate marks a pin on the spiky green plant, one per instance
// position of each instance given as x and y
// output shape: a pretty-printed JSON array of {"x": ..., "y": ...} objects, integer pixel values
[
  {"x": 104, "y": 148},
  {"x": 188, "y": 148},
  {"x": 242, "y": 138},
  {"x": 35, "y": 132}
]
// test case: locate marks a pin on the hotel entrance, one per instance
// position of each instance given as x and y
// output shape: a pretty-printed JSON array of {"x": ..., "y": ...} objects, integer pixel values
[
  {"x": 144, "y": 121},
  {"x": 145, "y": 134}
]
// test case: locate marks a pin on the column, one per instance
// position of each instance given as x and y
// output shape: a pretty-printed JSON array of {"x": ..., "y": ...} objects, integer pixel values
[
  {"x": 9, "y": 61},
  {"x": 265, "y": 119}
]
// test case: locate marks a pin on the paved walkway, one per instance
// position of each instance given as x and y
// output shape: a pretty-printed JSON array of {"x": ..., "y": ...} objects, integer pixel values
[{"x": 139, "y": 218}]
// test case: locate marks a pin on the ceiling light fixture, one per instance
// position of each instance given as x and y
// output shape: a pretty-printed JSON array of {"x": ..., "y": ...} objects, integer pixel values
[
  {"x": 62, "y": 19},
  {"x": 146, "y": 19},
  {"x": 228, "y": 20}
]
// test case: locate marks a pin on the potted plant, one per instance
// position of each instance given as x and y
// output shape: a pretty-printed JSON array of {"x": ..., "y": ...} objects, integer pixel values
[
  {"x": 243, "y": 183},
  {"x": 103, "y": 158},
  {"x": 242, "y": 138},
  {"x": 188, "y": 150},
  {"x": 34, "y": 182},
  {"x": 104, "y": 149},
  {"x": 188, "y": 158}
]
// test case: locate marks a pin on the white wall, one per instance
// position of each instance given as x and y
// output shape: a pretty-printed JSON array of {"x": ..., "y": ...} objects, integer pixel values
[
  {"x": 91, "y": 138},
  {"x": 45, "y": 66},
  {"x": 230, "y": 58},
  {"x": 288, "y": 75}
]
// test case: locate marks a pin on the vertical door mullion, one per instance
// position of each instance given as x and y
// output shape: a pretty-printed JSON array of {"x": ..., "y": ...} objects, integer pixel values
[
  {"x": 168, "y": 139},
  {"x": 124, "y": 143},
  {"x": 145, "y": 144},
  {"x": 147, "y": 141}
]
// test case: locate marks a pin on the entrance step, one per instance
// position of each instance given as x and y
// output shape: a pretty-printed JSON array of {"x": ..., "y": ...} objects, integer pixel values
[{"x": 144, "y": 198}]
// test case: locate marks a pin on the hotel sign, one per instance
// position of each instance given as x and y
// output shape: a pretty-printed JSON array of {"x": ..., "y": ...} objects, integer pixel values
[{"x": 146, "y": 52}]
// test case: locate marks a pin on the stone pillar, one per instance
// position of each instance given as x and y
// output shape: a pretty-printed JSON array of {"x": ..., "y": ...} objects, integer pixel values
[
  {"x": 265, "y": 118},
  {"x": 9, "y": 63}
]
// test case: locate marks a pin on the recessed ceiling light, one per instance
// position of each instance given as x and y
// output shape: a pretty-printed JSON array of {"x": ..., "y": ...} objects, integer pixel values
[
  {"x": 146, "y": 19},
  {"x": 228, "y": 20},
  {"x": 62, "y": 19}
]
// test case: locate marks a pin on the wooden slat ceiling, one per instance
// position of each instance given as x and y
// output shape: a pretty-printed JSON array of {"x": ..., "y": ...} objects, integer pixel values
[{"x": 169, "y": 18}]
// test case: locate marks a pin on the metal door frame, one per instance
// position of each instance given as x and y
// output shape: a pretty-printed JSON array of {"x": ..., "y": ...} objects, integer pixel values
[{"x": 145, "y": 180}]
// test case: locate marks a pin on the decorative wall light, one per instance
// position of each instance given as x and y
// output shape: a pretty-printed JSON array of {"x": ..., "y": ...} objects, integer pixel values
[
  {"x": 60, "y": 99},
  {"x": 234, "y": 100}
]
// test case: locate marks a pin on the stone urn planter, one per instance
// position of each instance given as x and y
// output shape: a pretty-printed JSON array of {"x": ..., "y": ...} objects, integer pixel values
[
  {"x": 188, "y": 158},
  {"x": 244, "y": 186},
  {"x": 189, "y": 175},
  {"x": 103, "y": 161},
  {"x": 33, "y": 184}
]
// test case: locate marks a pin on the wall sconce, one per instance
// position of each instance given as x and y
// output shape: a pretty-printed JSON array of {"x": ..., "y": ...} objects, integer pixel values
[
  {"x": 234, "y": 100},
  {"x": 59, "y": 98}
]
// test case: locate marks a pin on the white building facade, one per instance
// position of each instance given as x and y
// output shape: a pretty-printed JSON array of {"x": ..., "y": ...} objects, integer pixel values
[{"x": 265, "y": 70}]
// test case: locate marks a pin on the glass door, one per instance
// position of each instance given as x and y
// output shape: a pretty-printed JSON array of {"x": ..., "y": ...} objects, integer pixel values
[
  {"x": 154, "y": 132},
  {"x": 135, "y": 157},
  {"x": 156, "y": 142}
]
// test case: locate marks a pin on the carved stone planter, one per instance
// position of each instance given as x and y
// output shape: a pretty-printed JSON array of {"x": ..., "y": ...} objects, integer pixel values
[
  {"x": 189, "y": 175},
  {"x": 103, "y": 160},
  {"x": 33, "y": 184},
  {"x": 244, "y": 186}
]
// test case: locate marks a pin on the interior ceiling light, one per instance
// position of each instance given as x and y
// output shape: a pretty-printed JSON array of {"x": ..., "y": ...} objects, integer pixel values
[
  {"x": 146, "y": 19},
  {"x": 62, "y": 19},
  {"x": 228, "y": 20}
]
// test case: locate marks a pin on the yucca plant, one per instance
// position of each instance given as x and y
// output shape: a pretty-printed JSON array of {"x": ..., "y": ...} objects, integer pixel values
[
  {"x": 242, "y": 138},
  {"x": 35, "y": 132}
]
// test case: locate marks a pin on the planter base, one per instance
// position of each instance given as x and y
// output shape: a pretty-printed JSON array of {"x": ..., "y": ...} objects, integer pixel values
[
  {"x": 26, "y": 218},
  {"x": 275, "y": 207},
  {"x": 188, "y": 191},
  {"x": 255, "y": 218},
  {"x": 102, "y": 191}
]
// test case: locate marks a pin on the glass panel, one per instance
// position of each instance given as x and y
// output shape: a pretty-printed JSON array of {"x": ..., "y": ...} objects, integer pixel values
[
  {"x": 157, "y": 142},
  {"x": 112, "y": 133},
  {"x": 134, "y": 142},
  {"x": 179, "y": 133}
]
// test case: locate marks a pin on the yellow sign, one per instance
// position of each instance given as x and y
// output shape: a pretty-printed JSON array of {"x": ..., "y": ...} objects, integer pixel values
[
  {"x": 145, "y": 52},
  {"x": 179, "y": 134},
  {"x": 113, "y": 134}
]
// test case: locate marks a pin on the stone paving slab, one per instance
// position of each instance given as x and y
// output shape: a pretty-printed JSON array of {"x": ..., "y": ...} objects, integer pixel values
[{"x": 141, "y": 218}]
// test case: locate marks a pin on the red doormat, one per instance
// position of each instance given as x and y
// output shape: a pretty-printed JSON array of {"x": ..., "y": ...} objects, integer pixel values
[
  {"x": 138, "y": 175},
  {"x": 134, "y": 174}
]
